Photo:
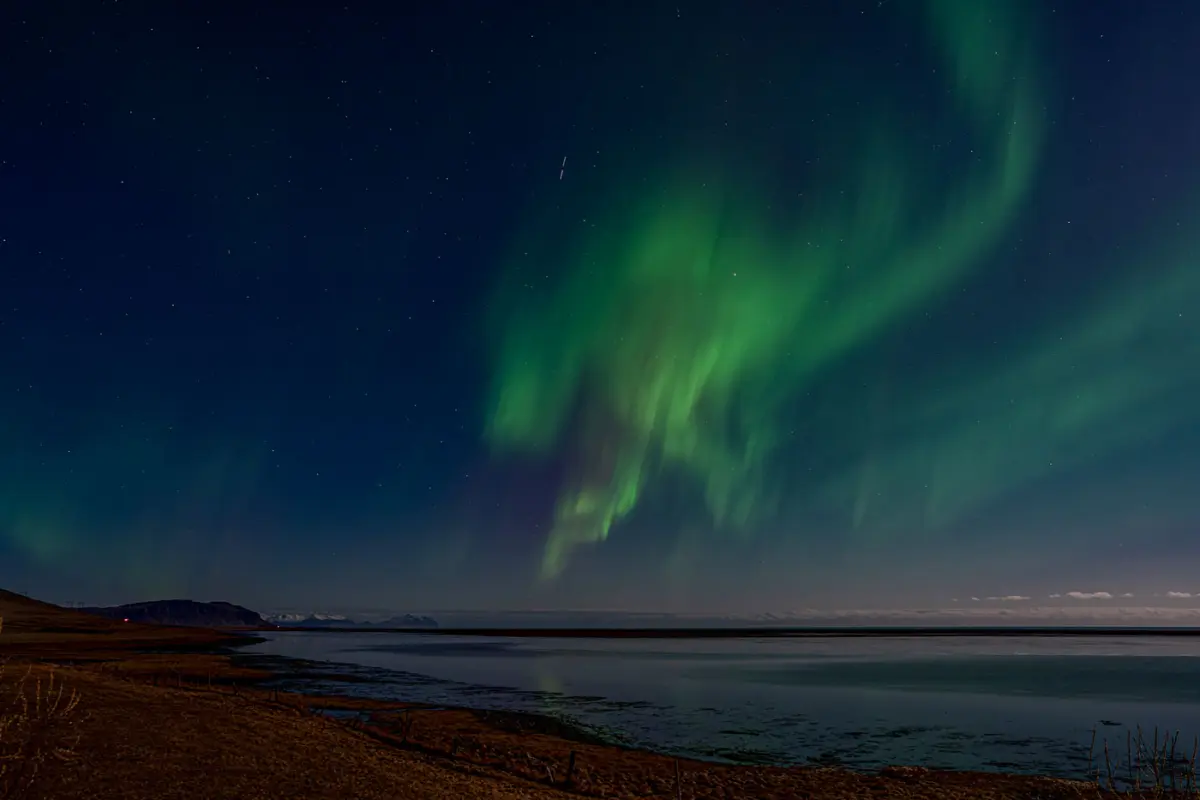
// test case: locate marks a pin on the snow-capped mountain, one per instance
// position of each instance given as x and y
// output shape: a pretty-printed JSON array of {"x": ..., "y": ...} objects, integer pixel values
[
  {"x": 324, "y": 620},
  {"x": 294, "y": 618}
]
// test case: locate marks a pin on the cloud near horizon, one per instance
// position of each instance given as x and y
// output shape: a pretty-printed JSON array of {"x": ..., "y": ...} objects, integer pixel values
[{"x": 1017, "y": 598}]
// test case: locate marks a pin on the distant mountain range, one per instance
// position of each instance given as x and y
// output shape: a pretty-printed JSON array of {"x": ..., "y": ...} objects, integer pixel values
[
  {"x": 339, "y": 621},
  {"x": 227, "y": 615},
  {"x": 181, "y": 612}
]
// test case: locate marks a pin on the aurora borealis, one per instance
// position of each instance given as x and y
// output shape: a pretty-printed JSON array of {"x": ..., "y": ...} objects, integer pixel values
[
  {"x": 681, "y": 320},
  {"x": 855, "y": 305}
]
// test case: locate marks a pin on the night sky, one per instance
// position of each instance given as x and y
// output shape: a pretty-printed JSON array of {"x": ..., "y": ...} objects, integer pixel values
[{"x": 671, "y": 306}]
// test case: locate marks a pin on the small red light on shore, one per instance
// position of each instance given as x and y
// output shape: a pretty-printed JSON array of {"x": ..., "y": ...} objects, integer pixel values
[{"x": 126, "y": 619}]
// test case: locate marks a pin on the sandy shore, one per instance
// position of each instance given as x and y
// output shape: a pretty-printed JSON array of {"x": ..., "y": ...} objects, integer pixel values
[{"x": 194, "y": 724}]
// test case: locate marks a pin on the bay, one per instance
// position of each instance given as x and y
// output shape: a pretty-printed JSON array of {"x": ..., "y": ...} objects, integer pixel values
[{"x": 1011, "y": 704}]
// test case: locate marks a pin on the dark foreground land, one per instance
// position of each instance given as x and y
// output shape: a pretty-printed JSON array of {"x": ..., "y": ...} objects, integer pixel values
[{"x": 105, "y": 709}]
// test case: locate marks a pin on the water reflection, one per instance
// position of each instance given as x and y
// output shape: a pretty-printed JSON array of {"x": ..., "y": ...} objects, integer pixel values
[{"x": 1013, "y": 704}]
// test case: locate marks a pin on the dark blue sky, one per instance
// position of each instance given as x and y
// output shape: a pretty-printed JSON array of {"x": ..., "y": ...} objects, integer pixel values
[{"x": 251, "y": 256}]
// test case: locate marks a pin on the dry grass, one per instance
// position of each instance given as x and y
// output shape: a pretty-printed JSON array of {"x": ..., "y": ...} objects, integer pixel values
[
  {"x": 1146, "y": 765},
  {"x": 37, "y": 728},
  {"x": 137, "y": 740}
]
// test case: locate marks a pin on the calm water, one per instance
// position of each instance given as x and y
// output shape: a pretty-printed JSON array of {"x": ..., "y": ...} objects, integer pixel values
[{"x": 971, "y": 702}]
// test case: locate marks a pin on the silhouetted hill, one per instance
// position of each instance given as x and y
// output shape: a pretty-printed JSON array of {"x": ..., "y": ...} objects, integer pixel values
[
  {"x": 23, "y": 614},
  {"x": 182, "y": 612}
]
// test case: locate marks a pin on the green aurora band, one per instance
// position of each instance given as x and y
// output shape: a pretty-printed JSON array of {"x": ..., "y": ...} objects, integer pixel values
[
  {"x": 684, "y": 320},
  {"x": 1119, "y": 373}
]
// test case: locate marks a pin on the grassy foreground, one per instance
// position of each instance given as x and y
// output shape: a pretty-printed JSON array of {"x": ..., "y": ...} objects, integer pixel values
[{"x": 86, "y": 712}]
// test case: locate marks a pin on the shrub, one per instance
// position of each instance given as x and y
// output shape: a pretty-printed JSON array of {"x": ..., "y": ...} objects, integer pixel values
[{"x": 37, "y": 719}]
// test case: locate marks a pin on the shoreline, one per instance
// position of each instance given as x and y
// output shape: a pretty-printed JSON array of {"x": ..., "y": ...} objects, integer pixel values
[
  {"x": 288, "y": 669},
  {"x": 506, "y": 748},
  {"x": 196, "y": 706},
  {"x": 1076, "y": 753},
  {"x": 544, "y": 749},
  {"x": 560, "y": 746}
]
